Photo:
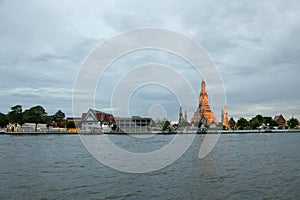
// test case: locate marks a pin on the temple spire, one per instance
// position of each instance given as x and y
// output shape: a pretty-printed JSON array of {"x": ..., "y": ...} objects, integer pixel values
[
  {"x": 180, "y": 115},
  {"x": 225, "y": 121},
  {"x": 203, "y": 109},
  {"x": 203, "y": 87}
]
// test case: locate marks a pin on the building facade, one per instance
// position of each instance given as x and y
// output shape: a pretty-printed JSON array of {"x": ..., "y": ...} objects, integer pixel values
[
  {"x": 232, "y": 123},
  {"x": 93, "y": 120},
  {"x": 135, "y": 124},
  {"x": 282, "y": 123}
]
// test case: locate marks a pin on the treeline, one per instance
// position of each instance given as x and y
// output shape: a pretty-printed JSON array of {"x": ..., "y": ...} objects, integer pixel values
[
  {"x": 258, "y": 120},
  {"x": 35, "y": 114}
]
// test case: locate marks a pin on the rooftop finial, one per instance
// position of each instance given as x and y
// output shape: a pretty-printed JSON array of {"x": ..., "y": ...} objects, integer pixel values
[{"x": 203, "y": 87}]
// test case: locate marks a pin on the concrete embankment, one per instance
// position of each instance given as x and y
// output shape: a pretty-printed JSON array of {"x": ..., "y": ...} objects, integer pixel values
[
  {"x": 120, "y": 133},
  {"x": 38, "y": 133}
]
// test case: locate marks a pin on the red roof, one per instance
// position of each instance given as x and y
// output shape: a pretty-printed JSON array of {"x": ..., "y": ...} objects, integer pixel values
[{"x": 100, "y": 116}]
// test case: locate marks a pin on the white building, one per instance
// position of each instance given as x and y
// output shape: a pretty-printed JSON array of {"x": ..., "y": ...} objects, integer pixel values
[
  {"x": 134, "y": 124},
  {"x": 95, "y": 121},
  {"x": 30, "y": 127}
]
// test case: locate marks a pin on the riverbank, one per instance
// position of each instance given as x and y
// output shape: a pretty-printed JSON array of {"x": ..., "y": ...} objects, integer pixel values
[
  {"x": 38, "y": 133},
  {"x": 156, "y": 132}
]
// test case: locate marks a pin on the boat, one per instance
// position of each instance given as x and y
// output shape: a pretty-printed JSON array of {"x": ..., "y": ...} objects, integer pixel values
[{"x": 202, "y": 129}]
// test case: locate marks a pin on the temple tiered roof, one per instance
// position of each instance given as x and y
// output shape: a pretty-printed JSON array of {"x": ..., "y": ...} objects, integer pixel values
[{"x": 203, "y": 110}]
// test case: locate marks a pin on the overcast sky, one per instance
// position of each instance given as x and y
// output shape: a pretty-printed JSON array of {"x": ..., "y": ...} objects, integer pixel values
[{"x": 255, "y": 45}]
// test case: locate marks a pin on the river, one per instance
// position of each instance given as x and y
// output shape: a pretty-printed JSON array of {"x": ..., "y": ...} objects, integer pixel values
[{"x": 240, "y": 166}]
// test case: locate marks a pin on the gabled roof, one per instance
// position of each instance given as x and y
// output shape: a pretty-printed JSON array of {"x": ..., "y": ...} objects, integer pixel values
[
  {"x": 278, "y": 118},
  {"x": 98, "y": 116},
  {"x": 231, "y": 121}
]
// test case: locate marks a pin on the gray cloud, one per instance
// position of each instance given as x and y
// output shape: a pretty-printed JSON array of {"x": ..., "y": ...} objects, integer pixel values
[{"x": 254, "y": 44}]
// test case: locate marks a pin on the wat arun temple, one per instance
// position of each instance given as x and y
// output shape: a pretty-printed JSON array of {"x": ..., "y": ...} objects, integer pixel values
[{"x": 203, "y": 113}]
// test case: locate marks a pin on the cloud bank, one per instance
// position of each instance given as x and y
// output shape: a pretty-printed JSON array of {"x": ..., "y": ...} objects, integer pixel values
[{"x": 254, "y": 45}]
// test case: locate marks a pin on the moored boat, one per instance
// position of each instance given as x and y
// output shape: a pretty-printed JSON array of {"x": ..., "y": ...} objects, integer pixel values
[{"x": 202, "y": 129}]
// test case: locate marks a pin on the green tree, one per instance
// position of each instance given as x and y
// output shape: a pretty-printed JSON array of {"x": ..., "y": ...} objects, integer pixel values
[
  {"x": 166, "y": 125},
  {"x": 47, "y": 119},
  {"x": 3, "y": 120},
  {"x": 15, "y": 116},
  {"x": 293, "y": 123},
  {"x": 270, "y": 121},
  {"x": 242, "y": 124},
  {"x": 254, "y": 123},
  {"x": 35, "y": 115},
  {"x": 260, "y": 119},
  {"x": 58, "y": 116},
  {"x": 70, "y": 125}
]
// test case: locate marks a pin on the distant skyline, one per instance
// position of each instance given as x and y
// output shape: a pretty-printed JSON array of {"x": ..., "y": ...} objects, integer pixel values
[{"x": 253, "y": 43}]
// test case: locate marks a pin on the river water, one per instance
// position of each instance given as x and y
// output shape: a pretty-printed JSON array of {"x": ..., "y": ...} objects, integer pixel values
[{"x": 241, "y": 166}]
